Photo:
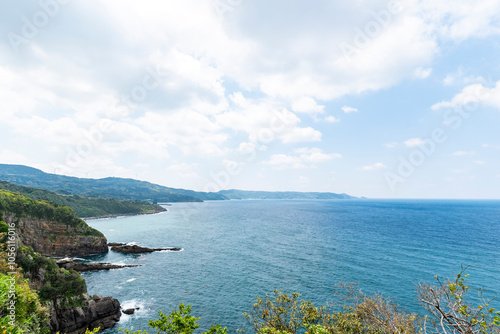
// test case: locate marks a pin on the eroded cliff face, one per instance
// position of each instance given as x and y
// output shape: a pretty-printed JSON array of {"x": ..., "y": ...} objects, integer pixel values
[
  {"x": 55, "y": 239},
  {"x": 102, "y": 312}
]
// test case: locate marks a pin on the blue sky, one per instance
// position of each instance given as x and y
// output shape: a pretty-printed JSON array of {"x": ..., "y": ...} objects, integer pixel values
[{"x": 384, "y": 99}]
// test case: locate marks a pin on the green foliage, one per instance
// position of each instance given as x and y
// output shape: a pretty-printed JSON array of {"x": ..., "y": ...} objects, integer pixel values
[
  {"x": 30, "y": 261},
  {"x": 59, "y": 284},
  {"x": 64, "y": 288},
  {"x": 30, "y": 316},
  {"x": 86, "y": 206},
  {"x": 23, "y": 206},
  {"x": 64, "y": 285},
  {"x": 7, "y": 328},
  {"x": 284, "y": 313},
  {"x": 454, "y": 310},
  {"x": 359, "y": 314},
  {"x": 88, "y": 331},
  {"x": 178, "y": 321}
]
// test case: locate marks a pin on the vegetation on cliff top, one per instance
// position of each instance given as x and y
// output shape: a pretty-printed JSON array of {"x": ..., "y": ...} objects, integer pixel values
[
  {"x": 31, "y": 312},
  {"x": 86, "y": 207},
  {"x": 20, "y": 308},
  {"x": 23, "y": 206}
]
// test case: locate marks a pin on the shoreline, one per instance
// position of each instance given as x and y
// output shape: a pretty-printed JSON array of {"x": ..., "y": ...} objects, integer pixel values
[{"x": 124, "y": 215}]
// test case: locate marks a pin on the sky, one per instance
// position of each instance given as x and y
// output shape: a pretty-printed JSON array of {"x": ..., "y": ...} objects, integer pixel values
[{"x": 383, "y": 99}]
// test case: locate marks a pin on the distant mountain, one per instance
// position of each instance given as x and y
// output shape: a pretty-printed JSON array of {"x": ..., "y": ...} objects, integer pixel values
[
  {"x": 130, "y": 189},
  {"x": 243, "y": 194},
  {"x": 111, "y": 187}
]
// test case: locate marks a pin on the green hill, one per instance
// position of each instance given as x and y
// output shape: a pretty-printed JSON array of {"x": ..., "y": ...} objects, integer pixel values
[
  {"x": 111, "y": 187},
  {"x": 23, "y": 206},
  {"x": 130, "y": 189},
  {"x": 86, "y": 207}
]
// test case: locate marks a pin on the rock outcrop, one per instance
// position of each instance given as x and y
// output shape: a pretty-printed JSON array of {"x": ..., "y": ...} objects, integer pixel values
[
  {"x": 103, "y": 312},
  {"x": 56, "y": 239},
  {"x": 134, "y": 249},
  {"x": 92, "y": 266},
  {"x": 130, "y": 311}
]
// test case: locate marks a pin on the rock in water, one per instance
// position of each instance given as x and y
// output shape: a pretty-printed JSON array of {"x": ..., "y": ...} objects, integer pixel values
[
  {"x": 134, "y": 249},
  {"x": 93, "y": 266},
  {"x": 111, "y": 244}
]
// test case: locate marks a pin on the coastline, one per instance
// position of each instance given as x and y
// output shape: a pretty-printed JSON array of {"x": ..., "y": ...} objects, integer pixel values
[{"x": 124, "y": 215}]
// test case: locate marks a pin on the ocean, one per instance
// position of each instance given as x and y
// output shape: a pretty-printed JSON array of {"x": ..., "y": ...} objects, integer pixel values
[{"x": 235, "y": 251}]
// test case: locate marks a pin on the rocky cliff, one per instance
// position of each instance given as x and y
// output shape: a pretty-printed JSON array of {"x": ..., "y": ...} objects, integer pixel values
[
  {"x": 97, "y": 311},
  {"x": 56, "y": 239},
  {"x": 52, "y": 230}
]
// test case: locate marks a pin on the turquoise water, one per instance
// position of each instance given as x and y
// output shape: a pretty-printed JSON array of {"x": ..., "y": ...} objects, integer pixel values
[{"x": 235, "y": 251}]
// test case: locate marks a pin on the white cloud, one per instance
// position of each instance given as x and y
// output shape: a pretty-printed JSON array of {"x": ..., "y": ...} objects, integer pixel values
[
  {"x": 414, "y": 142},
  {"x": 93, "y": 165},
  {"x": 301, "y": 135},
  {"x": 459, "y": 77},
  {"x": 315, "y": 155},
  {"x": 232, "y": 165},
  {"x": 422, "y": 73},
  {"x": 188, "y": 130},
  {"x": 307, "y": 105},
  {"x": 246, "y": 147},
  {"x": 473, "y": 95},
  {"x": 479, "y": 162},
  {"x": 392, "y": 144},
  {"x": 331, "y": 119},
  {"x": 266, "y": 121},
  {"x": 495, "y": 147},
  {"x": 244, "y": 77},
  {"x": 348, "y": 109},
  {"x": 184, "y": 170},
  {"x": 306, "y": 157},
  {"x": 462, "y": 153},
  {"x": 461, "y": 20},
  {"x": 377, "y": 165},
  {"x": 281, "y": 161},
  {"x": 11, "y": 157}
]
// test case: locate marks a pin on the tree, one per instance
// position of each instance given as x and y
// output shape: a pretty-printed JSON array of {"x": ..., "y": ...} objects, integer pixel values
[
  {"x": 62, "y": 285},
  {"x": 176, "y": 322},
  {"x": 285, "y": 313},
  {"x": 352, "y": 312},
  {"x": 448, "y": 302}
]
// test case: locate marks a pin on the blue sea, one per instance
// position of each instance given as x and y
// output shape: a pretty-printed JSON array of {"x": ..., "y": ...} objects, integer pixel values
[{"x": 235, "y": 251}]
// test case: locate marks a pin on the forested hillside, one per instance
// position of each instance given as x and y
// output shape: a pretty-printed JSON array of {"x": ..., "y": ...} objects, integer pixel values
[{"x": 86, "y": 206}]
